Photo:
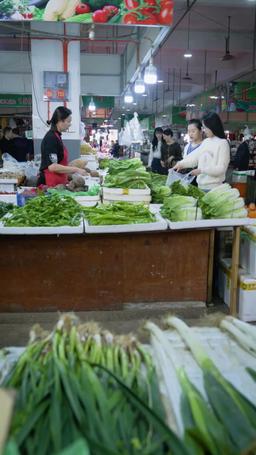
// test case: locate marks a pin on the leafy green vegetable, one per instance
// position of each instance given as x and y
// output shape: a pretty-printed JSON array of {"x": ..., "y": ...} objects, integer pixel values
[
  {"x": 83, "y": 18},
  {"x": 138, "y": 178},
  {"x": 117, "y": 166},
  {"x": 7, "y": 7},
  {"x": 223, "y": 202},
  {"x": 93, "y": 191},
  {"x": 99, "y": 4},
  {"x": 181, "y": 208},
  {"x": 5, "y": 208},
  {"x": 38, "y": 14},
  {"x": 186, "y": 190},
  {"x": 53, "y": 210},
  {"x": 118, "y": 213},
  {"x": 104, "y": 163},
  {"x": 158, "y": 187}
]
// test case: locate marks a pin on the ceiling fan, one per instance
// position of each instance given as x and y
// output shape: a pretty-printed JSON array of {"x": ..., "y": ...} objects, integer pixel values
[{"x": 227, "y": 55}]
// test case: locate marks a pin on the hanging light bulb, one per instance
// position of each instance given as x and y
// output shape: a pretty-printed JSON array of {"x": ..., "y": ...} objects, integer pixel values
[
  {"x": 128, "y": 97},
  {"x": 187, "y": 54},
  {"x": 139, "y": 86},
  {"x": 92, "y": 106},
  {"x": 150, "y": 75}
]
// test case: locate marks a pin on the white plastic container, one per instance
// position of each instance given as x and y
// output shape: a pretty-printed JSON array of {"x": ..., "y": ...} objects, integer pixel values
[
  {"x": 87, "y": 201},
  {"x": 246, "y": 290},
  {"x": 248, "y": 249},
  {"x": 131, "y": 199},
  {"x": 8, "y": 198},
  {"x": 125, "y": 191}
]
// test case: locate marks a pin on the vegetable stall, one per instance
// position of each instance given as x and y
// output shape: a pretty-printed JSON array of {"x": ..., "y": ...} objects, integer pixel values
[{"x": 59, "y": 254}]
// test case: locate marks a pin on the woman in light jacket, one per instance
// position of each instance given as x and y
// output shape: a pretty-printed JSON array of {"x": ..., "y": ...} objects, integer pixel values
[{"x": 212, "y": 158}]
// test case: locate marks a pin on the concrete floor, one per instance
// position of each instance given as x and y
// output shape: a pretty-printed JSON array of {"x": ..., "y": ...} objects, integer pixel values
[{"x": 15, "y": 327}]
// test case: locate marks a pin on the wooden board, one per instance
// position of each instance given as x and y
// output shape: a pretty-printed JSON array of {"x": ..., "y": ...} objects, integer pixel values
[{"x": 48, "y": 273}]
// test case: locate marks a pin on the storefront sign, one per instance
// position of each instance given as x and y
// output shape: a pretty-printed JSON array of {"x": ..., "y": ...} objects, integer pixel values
[
  {"x": 129, "y": 12},
  {"x": 9, "y": 100},
  {"x": 56, "y": 86}
]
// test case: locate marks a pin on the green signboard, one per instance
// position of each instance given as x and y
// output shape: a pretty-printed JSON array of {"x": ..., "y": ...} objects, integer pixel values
[
  {"x": 9, "y": 100},
  {"x": 127, "y": 12}
]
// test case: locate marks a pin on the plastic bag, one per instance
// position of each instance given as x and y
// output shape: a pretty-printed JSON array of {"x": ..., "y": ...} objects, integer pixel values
[{"x": 174, "y": 176}]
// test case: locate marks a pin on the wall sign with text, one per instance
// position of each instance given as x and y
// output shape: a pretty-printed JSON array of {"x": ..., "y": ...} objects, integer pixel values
[{"x": 130, "y": 12}]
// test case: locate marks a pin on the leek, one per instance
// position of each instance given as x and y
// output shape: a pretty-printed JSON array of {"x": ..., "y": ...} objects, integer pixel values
[{"x": 241, "y": 337}]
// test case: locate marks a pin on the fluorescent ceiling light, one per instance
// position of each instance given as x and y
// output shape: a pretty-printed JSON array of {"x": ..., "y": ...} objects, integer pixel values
[
  {"x": 188, "y": 54},
  {"x": 139, "y": 86},
  {"x": 150, "y": 75}
]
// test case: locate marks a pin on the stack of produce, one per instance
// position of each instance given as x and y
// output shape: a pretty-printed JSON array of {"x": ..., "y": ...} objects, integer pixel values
[
  {"x": 219, "y": 421},
  {"x": 181, "y": 208},
  {"x": 127, "y": 174},
  {"x": 118, "y": 213},
  {"x": 48, "y": 211},
  {"x": 159, "y": 190},
  {"x": 223, "y": 202},
  {"x": 104, "y": 163},
  {"x": 86, "y": 149},
  {"x": 81, "y": 385}
]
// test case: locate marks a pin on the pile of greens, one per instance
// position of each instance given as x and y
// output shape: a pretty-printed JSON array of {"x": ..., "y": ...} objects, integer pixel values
[
  {"x": 93, "y": 191},
  {"x": 159, "y": 190},
  {"x": 181, "y": 208},
  {"x": 104, "y": 163},
  {"x": 223, "y": 202},
  {"x": 127, "y": 174},
  {"x": 48, "y": 211},
  {"x": 186, "y": 190},
  {"x": 118, "y": 213},
  {"x": 5, "y": 208},
  {"x": 82, "y": 385}
]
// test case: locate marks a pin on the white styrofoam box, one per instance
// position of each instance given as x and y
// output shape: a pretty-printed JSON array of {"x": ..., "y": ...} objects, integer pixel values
[
  {"x": 207, "y": 224},
  {"x": 87, "y": 201},
  {"x": 125, "y": 191},
  {"x": 91, "y": 181},
  {"x": 248, "y": 249},
  {"x": 42, "y": 230},
  {"x": 159, "y": 225},
  {"x": 88, "y": 157},
  {"x": 247, "y": 297},
  {"x": 8, "y": 198},
  {"x": 93, "y": 165},
  {"x": 129, "y": 198}
]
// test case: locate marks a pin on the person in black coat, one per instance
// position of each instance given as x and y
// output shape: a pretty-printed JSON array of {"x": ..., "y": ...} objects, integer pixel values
[{"x": 242, "y": 158}]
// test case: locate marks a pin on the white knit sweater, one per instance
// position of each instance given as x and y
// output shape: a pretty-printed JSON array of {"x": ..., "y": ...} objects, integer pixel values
[{"x": 212, "y": 158}]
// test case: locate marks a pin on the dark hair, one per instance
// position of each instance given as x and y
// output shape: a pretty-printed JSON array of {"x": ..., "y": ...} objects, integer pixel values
[
  {"x": 196, "y": 122},
  {"x": 7, "y": 129},
  {"x": 168, "y": 132},
  {"x": 60, "y": 113},
  {"x": 16, "y": 131},
  {"x": 214, "y": 123},
  {"x": 155, "y": 140}
]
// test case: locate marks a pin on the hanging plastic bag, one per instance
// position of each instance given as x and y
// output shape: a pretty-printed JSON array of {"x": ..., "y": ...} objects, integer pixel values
[{"x": 174, "y": 176}]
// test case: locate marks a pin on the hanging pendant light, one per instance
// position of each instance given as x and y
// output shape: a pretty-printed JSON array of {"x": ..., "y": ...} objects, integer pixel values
[
  {"x": 92, "y": 106},
  {"x": 188, "y": 53},
  {"x": 139, "y": 86},
  {"x": 150, "y": 75},
  {"x": 128, "y": 97}
]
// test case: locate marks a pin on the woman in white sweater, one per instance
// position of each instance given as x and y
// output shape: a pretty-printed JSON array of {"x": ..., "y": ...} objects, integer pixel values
[
  {"x": 154, "y": 159},
  {"x": 212, "y": 157}
]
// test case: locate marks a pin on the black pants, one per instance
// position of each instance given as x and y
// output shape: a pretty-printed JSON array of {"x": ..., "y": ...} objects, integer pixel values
[{"x": 157, "y": 167}]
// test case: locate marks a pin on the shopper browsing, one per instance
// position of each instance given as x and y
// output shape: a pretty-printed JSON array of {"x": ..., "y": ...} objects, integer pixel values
[
  {"x": 213, "y": 156},
  {"x": 170, "y": 151},
  {"x": 54, "y": 168},
  {"x": 154, "y": 159},
  {"x": 195, "y": 134}
]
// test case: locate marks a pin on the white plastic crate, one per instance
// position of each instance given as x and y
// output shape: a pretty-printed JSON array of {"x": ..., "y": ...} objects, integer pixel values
[
  {"x": 87, "y": 201},
  {"x": 8, "y": 198},
  {"x": 129, "y": 198},
  {"x": 109, "y": 192},
  {"x": 248, "y": 249}
]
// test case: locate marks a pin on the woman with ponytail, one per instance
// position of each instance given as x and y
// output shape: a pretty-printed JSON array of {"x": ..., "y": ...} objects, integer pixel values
[{"x": 54, "y": 168}]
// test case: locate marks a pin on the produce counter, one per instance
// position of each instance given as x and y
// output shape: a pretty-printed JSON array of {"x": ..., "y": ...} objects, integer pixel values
[{"x": 102, "y": 271}]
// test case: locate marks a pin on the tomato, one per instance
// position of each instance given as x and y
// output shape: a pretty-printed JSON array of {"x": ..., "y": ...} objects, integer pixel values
[
  {"x": 130, "y": 18},
  {"x": 133, "y": 18},
  {"x": 131, "y": 4},
  {"x": 82, "y": 8},
  {"x": 166, "y": 14},
  {"x": 151, "y": 2},
  {"x": 111, "y": 10},
  {"x": 100, "y": 16},
  {"x": 147, "y": 11}
]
